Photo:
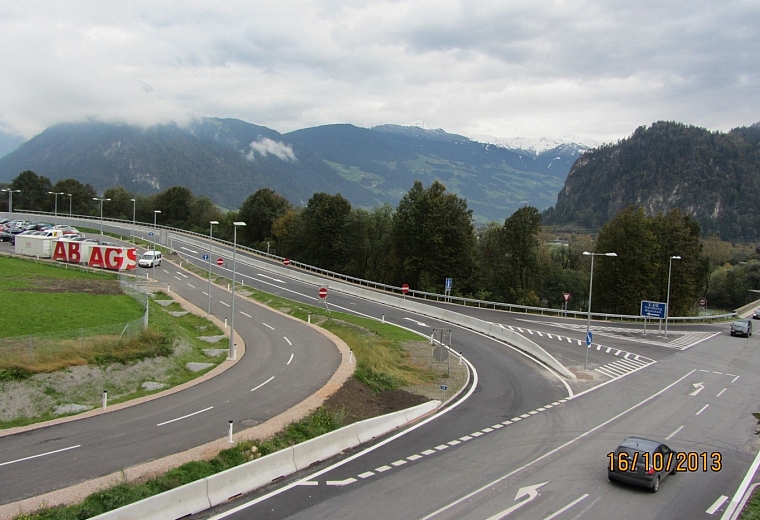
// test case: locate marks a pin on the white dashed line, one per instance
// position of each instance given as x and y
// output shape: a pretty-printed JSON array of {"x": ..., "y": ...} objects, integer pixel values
[
  {"x": 191, "y": 285},
  {"x": 291, "y": 359},
  {"x": 428, "y": 452},
  {"x": 268, "y": 326},
  {"x": 286, "y": 339},
  {"x": 224, "y": 303},
  {"x": 720, "y": 392},
  {"x": 366, "y": 474},
  {"x": 414, "y": 457},
  {"x": 465, "y": 438},
  {"x": 674, "y": 433},
  {"x": 262, "y": 384},
  {"x": 381, "y": 469},
  {"x": 247, "y": 315},
  {"x": 703, "y": 409},
  {"x": 185, "y": 416},
  {"x": 398, "y": 463}
]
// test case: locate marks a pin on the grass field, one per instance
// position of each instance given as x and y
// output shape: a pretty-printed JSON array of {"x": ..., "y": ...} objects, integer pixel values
[{"x": 37, "y": 298}]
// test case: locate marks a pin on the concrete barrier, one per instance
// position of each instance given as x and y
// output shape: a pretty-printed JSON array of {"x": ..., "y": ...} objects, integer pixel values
[
  {"x": 185, "y": 500},
  {"x": 414, "y": 413},
  {"x": 249, "y": 476},
  {"x": 325, "y": 446}
]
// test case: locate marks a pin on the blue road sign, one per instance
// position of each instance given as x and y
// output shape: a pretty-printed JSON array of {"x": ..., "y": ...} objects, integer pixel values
[
  {"x": 652, "y": 309},
  {"x": 444, "y": 387},
  {"x": 589, "y": 337},
  {"x": 150, "y": 233},
  {"x": 449, "y": 283},
  {"x": 205, "y": 257}
]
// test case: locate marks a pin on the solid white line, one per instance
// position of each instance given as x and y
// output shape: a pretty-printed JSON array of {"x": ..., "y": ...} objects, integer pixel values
[
  {"x": 703, "y": 409},
  {"x": 729, "y": 512},
  {"x": 289, "y": 343},
  {"x": 244, "y": 314},
  {"x": 40, "y": 455},
  {"x": 186, "y": 416},
  {"x": 262, "y": 384},
  {"x": 675, "y": 432},
  {"x": 717, "y": 504},
  {"x": 558, "y": 448},
  {"x": 291, "y": 359},
  {"x": 568, "y": 506},
  {"x": 268, "y": 326},
  {"x": 224, "y": 303}
]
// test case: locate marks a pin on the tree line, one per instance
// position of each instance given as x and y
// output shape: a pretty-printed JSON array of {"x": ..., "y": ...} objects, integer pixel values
[{"x": 431, "y": 236}]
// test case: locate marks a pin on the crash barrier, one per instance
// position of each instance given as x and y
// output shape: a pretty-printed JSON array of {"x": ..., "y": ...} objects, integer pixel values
[{"x": 217, "y": 489}]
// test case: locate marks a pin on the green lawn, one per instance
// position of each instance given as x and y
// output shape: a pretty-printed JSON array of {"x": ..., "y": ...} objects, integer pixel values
[{"x": 38, "y": 298}]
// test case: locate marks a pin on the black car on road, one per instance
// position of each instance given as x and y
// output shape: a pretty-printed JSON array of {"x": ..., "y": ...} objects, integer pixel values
[
  {"x": 641, "y": 462},
  {"x": 741, "y": 328}
]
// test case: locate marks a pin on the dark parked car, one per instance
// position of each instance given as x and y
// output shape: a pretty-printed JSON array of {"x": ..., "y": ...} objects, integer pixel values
[
  {"x": 756, "y": 314},
  {"x": 641, "y": 462},
  {"x": 741, "y": 328},
  {"x": 5, "y": 236}
]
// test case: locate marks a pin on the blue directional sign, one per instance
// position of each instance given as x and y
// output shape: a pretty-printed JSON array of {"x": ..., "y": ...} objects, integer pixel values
[
  {"x": 449, "y": 283},
  {"x": 652, "y": 309},
  {"x": 589, "y": 337},
  {"x": 444, "y": 387},
  {"x": 205, "y": 257},
  {"x": 150, "y": 233}
]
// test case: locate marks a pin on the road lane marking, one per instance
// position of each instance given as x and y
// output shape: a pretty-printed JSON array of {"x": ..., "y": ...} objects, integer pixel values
[
  {"x": 291, "y": 359},
  {"x": 262, "y": 384},
  {"x": 244, "y": 314},
  {"x": 191, "y": 285},
  {"x": 224, "y": 303},
  {"x": 186, "y": 416},
  {"x": 40, "y": 455},
  {"x": 382, "y": 469},
  {"x": 531, "y": 492},
  {"x": 268, "y": 326},
  {"x": 721, "y": 392},
  {"x": 717, "y": 504},
  {"x": 675, "y": 432},
  {"x": 703, "y": 409},
  {"x": 568, "y": 506},
  {"x": 698, "y": 387},
  {"x": 366, "y": 474},
  {"x": 270, "y": 278},
  {"x": 286, "y": 339},
  {"x": 341, "y": 482},
  {"x": 549, "y": 453}
]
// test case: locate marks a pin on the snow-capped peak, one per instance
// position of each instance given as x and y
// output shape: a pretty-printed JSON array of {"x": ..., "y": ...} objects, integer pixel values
[{"x": 537, "y": 145}]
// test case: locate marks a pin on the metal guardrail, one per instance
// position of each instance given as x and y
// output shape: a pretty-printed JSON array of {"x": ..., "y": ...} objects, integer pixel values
[{"x": 471, "y": 302}]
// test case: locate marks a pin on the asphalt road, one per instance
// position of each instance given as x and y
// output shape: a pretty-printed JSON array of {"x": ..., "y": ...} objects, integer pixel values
[{"x": 285, "y": 362}]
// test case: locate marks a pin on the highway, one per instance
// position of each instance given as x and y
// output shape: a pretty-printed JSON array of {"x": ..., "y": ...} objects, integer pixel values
[{"x": 525, "y": 444}]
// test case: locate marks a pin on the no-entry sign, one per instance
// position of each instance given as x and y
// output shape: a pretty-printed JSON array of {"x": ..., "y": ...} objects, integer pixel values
[
  {"x": 405, "y": 288},
  {"x": 286, "y": 261},
  {"x": 220, "y": 261},
  {"x": 322, "y": 292}
]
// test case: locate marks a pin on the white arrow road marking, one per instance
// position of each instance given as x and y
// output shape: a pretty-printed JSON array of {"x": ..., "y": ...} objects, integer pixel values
[
  {"x": 269, "y": 277},
  {"x": 530, "y": 491},
  {"x": 699, "y": 387},
  {"x": 717, "y": 505},
  {"x": 417, "y": 322},
  {"x": 40, "y": 455},
  {"x": 340, "y": 482},
  {"x": 186, "y": 249}
]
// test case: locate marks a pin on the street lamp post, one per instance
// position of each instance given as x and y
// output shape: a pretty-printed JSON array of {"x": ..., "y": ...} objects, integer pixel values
[
  {"x": 70, "y": 221},
  {"x": 134, "y": 207},
  {"x": 155, "y": 229},
  {"x": 101, "y": 199},
  {"x": 667, "y": 301},
  {"x": 56, "y": 193},
  {"x": 233, "y": 352},
  {"x": 590, "y": 287},
  {"x": 210, "y": 235},
  {"x": 10, "y": 198}
]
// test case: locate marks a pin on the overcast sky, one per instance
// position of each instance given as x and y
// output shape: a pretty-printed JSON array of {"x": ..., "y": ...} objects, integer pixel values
[{"x": 506, "y": 68}]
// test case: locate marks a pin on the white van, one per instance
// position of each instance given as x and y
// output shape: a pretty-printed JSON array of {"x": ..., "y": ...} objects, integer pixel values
[{"x": 150, "y": 259}]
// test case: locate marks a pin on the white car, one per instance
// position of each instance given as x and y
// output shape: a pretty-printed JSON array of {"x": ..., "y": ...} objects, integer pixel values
[{"x": 150, "y": 259}]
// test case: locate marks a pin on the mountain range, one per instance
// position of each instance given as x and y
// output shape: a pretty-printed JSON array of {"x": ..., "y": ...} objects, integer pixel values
[{"x": 228, "y": 159}]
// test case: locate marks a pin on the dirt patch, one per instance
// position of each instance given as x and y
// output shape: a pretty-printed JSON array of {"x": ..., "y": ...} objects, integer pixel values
[
  {"x": 358, "y": 402},
  {"x": 56, "y": 285}
]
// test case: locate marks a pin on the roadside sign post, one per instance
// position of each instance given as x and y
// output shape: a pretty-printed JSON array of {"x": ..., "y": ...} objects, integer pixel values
[
  {"x": 322, "y": 293},
  {"x": 405, "y": 289},
  {"x": 286, "y": 261},
  {"x": 220, "y": 261},
  {"x": 566, "y": 296},
  {"x": 589, "y": 339},
  {"x": 652, "y": 310},
  {"x": 449, "y": 284}
]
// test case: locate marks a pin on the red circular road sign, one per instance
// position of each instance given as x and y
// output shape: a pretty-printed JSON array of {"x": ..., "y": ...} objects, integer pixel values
[
  {"x": 286, "y": 261},
  {"x": 702, "y": 302},
  {"x": 322, "y": 292},
  {"x": 220, "y": 261},
  {"x": 405, "y": 288}
]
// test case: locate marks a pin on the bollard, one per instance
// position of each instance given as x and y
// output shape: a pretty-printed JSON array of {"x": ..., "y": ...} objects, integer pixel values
[
  {"x": 432, "y": 335},
  {"x": 105, "y": 399},
  {"x": 309, "y": 321},
  {"x": 230, "y": 436},
  {"x": 228, "y": 287},
  {"x": 225, "y": 323},
  {"x": 180, "y": 265},
  {"x": 383, "y": 318},
  {"x": 169, "y": 288},
  {"x": 234, "y": 347},
  {"x": 461, "y": 356},
  {"x": 350, "y": 355}
]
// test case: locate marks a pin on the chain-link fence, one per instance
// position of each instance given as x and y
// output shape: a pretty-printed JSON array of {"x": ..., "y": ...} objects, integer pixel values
[{"x": 53, "y": 342}]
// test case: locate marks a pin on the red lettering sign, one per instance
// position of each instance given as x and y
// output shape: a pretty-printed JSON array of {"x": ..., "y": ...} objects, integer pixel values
[
  {"x": 96, "y": 258},
  {"x": 113, "y": 258},
  {"x": 60, "y": 252},
  {"x": 75, "y": 255},
  {"x": 131, "y": 258}
]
